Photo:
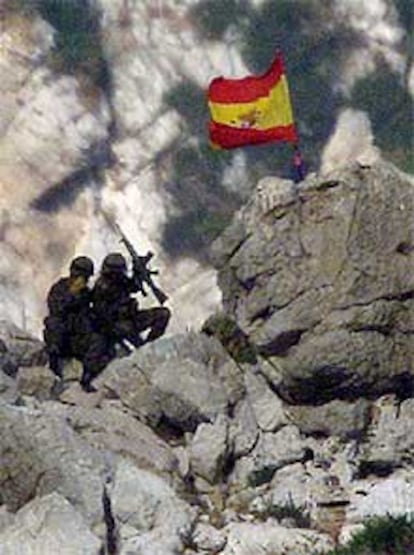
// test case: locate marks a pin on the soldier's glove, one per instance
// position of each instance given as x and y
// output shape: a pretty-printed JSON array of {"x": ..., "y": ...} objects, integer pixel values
[{"x": 77, "y": 285}]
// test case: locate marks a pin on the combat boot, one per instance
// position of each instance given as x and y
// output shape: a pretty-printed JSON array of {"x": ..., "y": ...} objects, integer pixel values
[
  {"x": 56, "y": 364},
  {"x": 85, "y": 382}
]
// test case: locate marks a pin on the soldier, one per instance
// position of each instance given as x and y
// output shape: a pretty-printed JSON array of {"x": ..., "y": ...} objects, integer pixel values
[
  {"x": 69, "y": 329},
  {"x": 117, "y": 312}
]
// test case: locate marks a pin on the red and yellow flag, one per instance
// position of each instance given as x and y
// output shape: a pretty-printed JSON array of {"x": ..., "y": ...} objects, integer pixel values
[{"x": 251, "y": 110}]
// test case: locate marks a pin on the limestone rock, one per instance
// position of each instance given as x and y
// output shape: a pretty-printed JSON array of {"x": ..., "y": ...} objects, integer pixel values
[
  {"x": 208, "y": 539},
  {"x": 73, "y": 394},
  {"x": 49, "y": 524},
  {"x": 321, "y": 280},
  {"x": 209, "y": 448},
  {"x": 372, "y": 497},
  {"x": 40, "y": 454},
  {"x": 248, "y": 538},
  {"x": 183, "y": 380},
  {"x": 119, "y": 432},
  {"x": 43, "y": 147},
  {"x": 151, "y": 518},
  {"x": 36, "y": 381},
  {"x": 7, "y": 365},
  {"x": 19, "y": 348},
  {"x": 6, "y": 518},
  {"x": 267, "y": 406},
  {"x": 272, "y": 451},
  {"x": 183, "y": 460},
  {"x": 8, "y": 388},
  {"x": 337, "y": 418},
  {"x": 26, "y": 42},
  {"x": 244, "y": 430},
  {"x": 292, "y": 485},
  {"x": 391, "y": 441}
]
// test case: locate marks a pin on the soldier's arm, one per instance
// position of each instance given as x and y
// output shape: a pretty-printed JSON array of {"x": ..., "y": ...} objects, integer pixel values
[
  {"x": 133, "y": 284},
  {"x": 59, "y": 300}
]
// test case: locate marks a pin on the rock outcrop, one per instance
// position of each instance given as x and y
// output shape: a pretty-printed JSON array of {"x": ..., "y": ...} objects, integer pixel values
[
  {"x": 286, "y": 422},
  {"x": 320, "y": 276}
]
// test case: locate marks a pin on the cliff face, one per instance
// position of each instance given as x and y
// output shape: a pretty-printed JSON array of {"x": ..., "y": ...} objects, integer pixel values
[{"x": 286, "y": 422}]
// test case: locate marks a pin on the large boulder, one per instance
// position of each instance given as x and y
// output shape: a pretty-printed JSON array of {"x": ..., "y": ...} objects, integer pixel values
[
  {"x": 320, "y": 277},
  {"x": 209, "y": 448},
  {"x": 113, "y": 429},
  {"x": 40, "y": 454},
  {"x": 336, "y": 418},
  {"x": 271, "y": 452},
  {"x": 390, "y": 444},
  {"x": 180, "y": 381},
  {"x": 8, "y": 388},
  {"x": 36, "y": 381},
  {"x": 246, "y": 538},
  {"x": 392, "y": 496},
  {"x": 19, "y": 349},
  {"x": 150, "y": 517},
  {"x": 49, "y": 524}
]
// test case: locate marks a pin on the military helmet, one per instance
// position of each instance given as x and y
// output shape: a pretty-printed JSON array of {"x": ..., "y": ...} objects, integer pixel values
[
  {"x": 81, "y": 266},
  {"x": 114, "y": 262}
]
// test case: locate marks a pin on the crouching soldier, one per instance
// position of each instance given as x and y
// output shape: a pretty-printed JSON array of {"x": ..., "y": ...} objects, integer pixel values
[
  {"x": 69, "y": 329},
  {"x": 116, "y": 310}
]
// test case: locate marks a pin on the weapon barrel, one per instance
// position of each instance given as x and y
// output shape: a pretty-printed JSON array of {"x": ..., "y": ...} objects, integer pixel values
[
  {"x": 140, "y": 265},
  {"x": 158, "y": 293}
]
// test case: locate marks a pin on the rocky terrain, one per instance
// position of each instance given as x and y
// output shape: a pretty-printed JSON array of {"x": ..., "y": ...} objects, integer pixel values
[{"x": 276, "y": 430}]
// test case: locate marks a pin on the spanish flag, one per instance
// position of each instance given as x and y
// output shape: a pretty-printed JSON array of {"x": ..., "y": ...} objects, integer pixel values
[{"x": 251, "y": 110}]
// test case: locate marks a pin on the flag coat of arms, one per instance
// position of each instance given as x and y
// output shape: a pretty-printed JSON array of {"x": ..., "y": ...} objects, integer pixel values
[{"x": 251, "y": 110}]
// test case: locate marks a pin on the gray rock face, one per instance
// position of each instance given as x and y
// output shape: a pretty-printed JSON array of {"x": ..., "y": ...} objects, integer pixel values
[
  {"x": 36, "y": 381},
  {"x": 392, "y": 496},
  {"x": 49, "y": 524},
  {"x": 321, "y": 279},
  {"x": 337, "y": 418},
  {"x": 184, "y": 380},
  {"x": 209, "y": 448},
  {"x": 18, "y": 348},
  {"x": 151, "y": 518},
  {"x": 8, "y": 389},
  {"x": 40, "y": 454},
  {"x": 118, "y": 432},
  {"x": 391, "y": 441},
  {"x": 266, "y": 405},
  {"x": 272, "y": 451},
  {"x": 247, "y": 538},
  {"x": 244, "y": 430}
]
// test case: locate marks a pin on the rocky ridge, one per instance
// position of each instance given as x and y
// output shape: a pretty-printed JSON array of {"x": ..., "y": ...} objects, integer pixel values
[{"x": 277, "y": 429}]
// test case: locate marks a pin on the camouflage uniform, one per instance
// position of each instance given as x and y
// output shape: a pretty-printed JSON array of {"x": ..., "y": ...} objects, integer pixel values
[
  {"x": 117, "y": 311},
  {"x": 69, "y": 330}
]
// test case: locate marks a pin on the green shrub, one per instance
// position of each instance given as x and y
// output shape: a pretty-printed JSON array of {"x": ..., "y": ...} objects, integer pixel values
[
  {"x": 390, "y": 535},
  {"x": 299, "y": 514}
]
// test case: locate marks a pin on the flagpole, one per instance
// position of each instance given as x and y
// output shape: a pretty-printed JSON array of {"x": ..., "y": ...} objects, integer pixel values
[
  {"x": 297, "y": 159},
  {"x": 298, "y": 165}
]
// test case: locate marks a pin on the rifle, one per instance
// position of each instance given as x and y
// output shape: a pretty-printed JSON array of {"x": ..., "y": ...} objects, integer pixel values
[{"x": 139, "y": 263}]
